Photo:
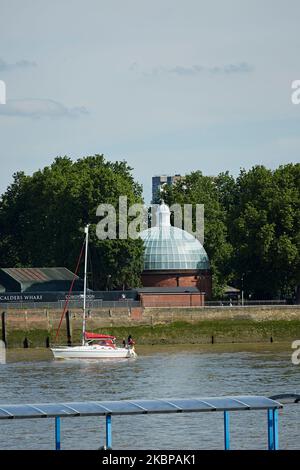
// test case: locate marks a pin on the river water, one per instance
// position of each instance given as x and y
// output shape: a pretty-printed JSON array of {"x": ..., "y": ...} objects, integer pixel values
[{"x": 31, "y": 376}]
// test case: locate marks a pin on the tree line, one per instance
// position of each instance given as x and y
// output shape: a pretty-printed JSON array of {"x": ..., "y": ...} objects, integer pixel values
[
  {"x": 252, "y": 228},
  {"x": 252, "y": 223},
  {"x": 42, "y": 220}
]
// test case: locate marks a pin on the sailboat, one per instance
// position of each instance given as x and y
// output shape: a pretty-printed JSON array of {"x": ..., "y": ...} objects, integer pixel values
[{"x": 94, "y": 345}]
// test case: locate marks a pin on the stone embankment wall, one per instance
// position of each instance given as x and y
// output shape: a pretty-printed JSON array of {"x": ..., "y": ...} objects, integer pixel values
[
  {"x": 155, "y": 325},
  {"x": 255, "y": 313}
]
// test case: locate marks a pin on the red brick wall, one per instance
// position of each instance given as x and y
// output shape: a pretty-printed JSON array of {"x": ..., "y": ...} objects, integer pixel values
[
  {"x": 200, "y": 280},
  {"x": 136, "y": 313},
  {"x": 172, "y": 300}
]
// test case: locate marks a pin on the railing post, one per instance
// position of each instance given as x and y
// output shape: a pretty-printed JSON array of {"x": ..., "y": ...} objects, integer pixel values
[
  {"x": 57, "y": 433},
  {"x": 275, "y": 429},
  {"x": 108, "y": 432},
  {"x": 270, "y": 429},
  {"x": 226, "y": 431},
  {"x": 273, "y": 443}
]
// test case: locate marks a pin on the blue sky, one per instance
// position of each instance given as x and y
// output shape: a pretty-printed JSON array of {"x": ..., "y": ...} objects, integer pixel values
[{"x": 170, "y": 86}]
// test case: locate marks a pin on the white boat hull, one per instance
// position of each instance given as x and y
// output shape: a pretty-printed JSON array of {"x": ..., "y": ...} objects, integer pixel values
[{"x": 92, "y": 352}]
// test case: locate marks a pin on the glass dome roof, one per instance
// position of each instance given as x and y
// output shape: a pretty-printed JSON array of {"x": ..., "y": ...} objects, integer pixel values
[{"x": 168, "y": 247}]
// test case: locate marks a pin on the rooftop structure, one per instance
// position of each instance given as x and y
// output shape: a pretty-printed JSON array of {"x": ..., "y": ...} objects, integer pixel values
[
  {"x": 37, "y": 279},
  {"x": 158, "y": 182},
  {"x": 174, "y": 257}
]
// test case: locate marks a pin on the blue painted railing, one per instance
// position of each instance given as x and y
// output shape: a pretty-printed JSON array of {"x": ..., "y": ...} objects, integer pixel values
[{"x": 133, "y": 407}]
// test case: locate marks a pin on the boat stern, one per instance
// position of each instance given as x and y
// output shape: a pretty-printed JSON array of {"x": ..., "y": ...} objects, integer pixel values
[{"x": 132, "y": 353}]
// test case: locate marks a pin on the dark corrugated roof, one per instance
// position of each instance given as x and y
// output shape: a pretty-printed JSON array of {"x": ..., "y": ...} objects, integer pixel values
[{"x": 24, "y": 275}]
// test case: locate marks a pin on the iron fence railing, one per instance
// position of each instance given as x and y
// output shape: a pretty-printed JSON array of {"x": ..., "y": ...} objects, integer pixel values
[
  {"x": 130, "y": 303},
  {"x": 59, "y": 305},
  {"x": 230, "y": 303}
]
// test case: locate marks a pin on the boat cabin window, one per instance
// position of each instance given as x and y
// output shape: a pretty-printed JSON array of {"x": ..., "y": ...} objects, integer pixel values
[{"x": 102, "y": 342}]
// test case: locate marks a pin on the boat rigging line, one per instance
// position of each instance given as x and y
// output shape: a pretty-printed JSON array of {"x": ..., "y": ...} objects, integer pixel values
[{"x": 71, "y": 288}]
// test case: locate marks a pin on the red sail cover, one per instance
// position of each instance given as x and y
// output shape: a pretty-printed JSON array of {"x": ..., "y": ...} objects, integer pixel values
[{"x": 98, "y": 336}]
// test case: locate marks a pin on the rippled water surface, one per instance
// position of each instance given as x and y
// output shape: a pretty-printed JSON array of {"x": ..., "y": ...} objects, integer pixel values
[{"x": 159, "y": 372}]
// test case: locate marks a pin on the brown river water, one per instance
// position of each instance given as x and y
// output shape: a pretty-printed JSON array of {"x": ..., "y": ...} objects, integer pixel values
[{"x": 32, "y": 376}]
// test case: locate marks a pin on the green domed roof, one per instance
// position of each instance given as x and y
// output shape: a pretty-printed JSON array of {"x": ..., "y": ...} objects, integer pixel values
[{"x": 168, "y": 247}]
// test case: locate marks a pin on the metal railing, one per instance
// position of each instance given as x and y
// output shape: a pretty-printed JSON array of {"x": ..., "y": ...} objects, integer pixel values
[
  {"x": 108, "y": 409},
  {"x": 59, "y": 304},
  {"x": 129, "y": 303},
  {"x": 245, "y": 303}
]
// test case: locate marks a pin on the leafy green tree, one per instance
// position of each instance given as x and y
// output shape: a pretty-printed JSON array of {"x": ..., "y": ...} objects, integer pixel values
[
  {"x": 252, "y": 227},
  {"x": 42, "y": 219},
  {"x": 227, "y": 191},
  {"x": 264, "y": 228}
]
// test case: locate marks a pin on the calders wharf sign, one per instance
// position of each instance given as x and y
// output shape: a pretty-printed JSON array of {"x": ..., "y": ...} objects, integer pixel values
[
  {"x": 8, "y": 297},
  {"x": 111, "y": 296}
]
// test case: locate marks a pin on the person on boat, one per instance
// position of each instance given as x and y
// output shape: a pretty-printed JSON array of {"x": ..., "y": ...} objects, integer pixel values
[
  {"x": 130, "y": 341},
  {"x": 124, "y": 343}
]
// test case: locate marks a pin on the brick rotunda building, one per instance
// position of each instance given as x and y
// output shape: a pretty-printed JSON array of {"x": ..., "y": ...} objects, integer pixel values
[{"x": 174, "y": 257}]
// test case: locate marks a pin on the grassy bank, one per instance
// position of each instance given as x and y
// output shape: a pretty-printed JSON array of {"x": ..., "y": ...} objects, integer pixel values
[{"x": 201, "y": 332}]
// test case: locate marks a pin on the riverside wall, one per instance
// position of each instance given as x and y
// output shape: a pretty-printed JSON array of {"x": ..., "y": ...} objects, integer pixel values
[{"x": 156, "y": 325}]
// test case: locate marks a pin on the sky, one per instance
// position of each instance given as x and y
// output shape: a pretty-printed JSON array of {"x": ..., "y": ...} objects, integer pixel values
[{"x": 170, "y": 86}]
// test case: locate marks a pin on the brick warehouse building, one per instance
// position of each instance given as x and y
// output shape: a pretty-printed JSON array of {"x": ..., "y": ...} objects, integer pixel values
[{"x": 173, "y": 257}]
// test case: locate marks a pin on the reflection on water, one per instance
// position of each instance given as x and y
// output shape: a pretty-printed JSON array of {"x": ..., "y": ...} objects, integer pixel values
[{"x": 158, "y": 372}]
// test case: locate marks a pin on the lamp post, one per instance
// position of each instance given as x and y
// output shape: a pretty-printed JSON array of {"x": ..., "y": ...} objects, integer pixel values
[
  {"x": 108, "y": 282},
  {"x": 242, "y": 279}
]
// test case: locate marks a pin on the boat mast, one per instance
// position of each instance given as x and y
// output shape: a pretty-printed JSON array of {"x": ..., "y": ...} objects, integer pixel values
[{"x": 86, "y": 230}]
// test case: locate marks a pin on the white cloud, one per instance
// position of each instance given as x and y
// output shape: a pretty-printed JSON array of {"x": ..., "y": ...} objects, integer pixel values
[
  {"x": 38, "y": 108},
  {"x": 21, "y": 64},
  {"x": 193, "y": 70}
]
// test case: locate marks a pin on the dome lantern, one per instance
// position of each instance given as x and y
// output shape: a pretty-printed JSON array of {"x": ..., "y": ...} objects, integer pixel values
[{"x": 163, "y": 215}]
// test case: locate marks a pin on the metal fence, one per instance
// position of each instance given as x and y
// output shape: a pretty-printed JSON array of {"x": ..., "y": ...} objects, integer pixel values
[
  {"x": 59, "y": 305},
  {"x": 239, "y": 303},
  {"x": 130, "y": 303}
]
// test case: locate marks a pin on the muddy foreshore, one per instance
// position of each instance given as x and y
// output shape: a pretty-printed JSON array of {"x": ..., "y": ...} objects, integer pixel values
[{"x": 177, "y": 332}]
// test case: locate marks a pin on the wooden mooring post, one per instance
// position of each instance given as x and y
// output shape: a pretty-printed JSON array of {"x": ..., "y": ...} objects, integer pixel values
[
  {"x": 69, "y": 328},
  {"x": 3, "y": 328}
]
